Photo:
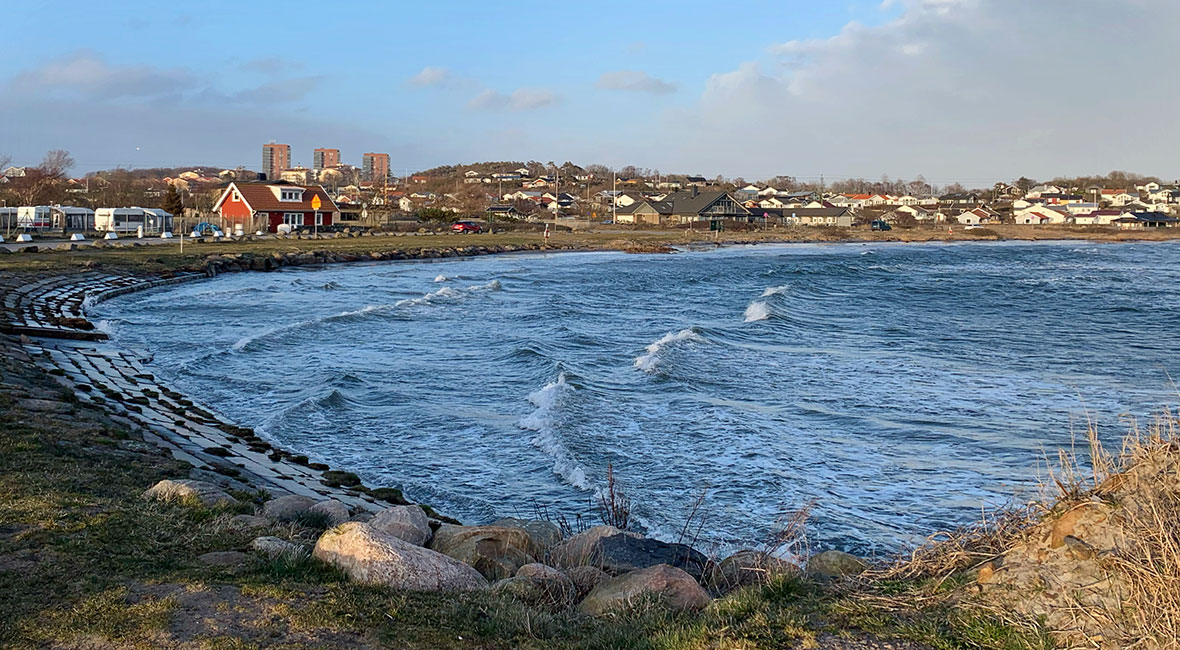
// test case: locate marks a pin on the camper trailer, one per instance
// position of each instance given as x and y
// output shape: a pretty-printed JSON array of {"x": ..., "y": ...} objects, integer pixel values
[
  {"x": 34, "y": 217},
  {"x": 7, "y": 219},
  {"x": 130, "y": 220},
  {"x": 73, "y": 219}
]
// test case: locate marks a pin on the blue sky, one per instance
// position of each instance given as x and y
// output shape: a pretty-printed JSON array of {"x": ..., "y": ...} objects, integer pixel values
[{"x": 745, "y": 89}]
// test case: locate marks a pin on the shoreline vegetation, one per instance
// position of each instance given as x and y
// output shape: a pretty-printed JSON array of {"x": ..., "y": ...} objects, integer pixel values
[{"x": 112, "y": 537}]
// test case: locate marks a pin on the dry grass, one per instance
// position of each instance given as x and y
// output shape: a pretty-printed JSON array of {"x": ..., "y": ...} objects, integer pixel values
[{"x": 614, "y": 506}]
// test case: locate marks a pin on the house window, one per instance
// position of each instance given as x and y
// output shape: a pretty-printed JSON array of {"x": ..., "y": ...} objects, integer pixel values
[
  {"x": 237, "y": 197},
  {"x": 293, "y": 218},
  {"x": 319, "y": 219},
  {"x": 290, "y": 195}
]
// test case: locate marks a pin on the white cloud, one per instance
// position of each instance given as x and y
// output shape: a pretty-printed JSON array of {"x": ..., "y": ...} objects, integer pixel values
[
  {"x": 521, "y": 99},
  {"x": 635, "y": 81},
  {"x": 431, "y": 76},
  {"x": 967, "y": 89}
]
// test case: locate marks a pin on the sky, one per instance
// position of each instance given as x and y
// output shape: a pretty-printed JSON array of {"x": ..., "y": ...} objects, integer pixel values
[{"x": 969, "y": 91}]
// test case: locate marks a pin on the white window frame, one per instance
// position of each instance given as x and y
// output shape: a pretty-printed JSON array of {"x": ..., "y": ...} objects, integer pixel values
[
  {"x": 293, "y": 196},
  {"x": 319, "y": 218},
  {"x": 293, "y": 218}
]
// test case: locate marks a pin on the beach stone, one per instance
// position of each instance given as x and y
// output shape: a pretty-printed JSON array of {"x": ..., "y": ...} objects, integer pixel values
[
  {"x": 673, "y": 586},
  {"x": 576, "y": 550},
  {"x": 372, "y": 556},
  {"x": 223, "y": 558},
  {"x": 586, "y": 578},
  {"x": 744, "y": 568},
  {"x": 495, "y": 551},
  {"x": 184, "y": 489},
  {"x": 537, "y": 584},
  {"x": 336, "y": 512},
  {"x": 43, "y": 405},
  {"x": 545, "y": 534},
  {"x": 408, "y": 523},
  {"x": 276, "y": 547},
  {"x": 622, "y": 553},
  {"x": 834, "y": 564},
  {"x": 248, "y": 522},
  {"x": 287, "y": 508}
]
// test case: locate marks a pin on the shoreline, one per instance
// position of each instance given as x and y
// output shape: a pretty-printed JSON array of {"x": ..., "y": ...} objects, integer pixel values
[{"x": 56, "y": 331}]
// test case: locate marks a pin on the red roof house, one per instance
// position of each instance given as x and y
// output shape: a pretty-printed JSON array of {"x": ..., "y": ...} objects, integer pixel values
[{"x": 266, "y": 206}]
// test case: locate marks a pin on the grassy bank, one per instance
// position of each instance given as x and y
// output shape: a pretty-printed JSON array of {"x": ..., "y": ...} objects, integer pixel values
[
  {"x": 85, "y": 562},
  {"x": 164, "y": 257}
]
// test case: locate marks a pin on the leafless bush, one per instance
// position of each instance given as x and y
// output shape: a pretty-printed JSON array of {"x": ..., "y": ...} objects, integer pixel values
[{"x": 614, "y": 507}]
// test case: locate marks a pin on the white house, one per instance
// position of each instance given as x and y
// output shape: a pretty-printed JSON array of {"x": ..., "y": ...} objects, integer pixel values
[{"x": 1039, "y": 215}]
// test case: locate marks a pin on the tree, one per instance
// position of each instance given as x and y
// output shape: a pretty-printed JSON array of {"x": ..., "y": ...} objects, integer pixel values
[
  {"x": 173, "y": 201},
  {"x": 434, "y": 214}
]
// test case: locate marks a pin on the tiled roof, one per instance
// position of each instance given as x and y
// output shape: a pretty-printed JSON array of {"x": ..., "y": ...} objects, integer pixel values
[{"x": 264, "y": 197}]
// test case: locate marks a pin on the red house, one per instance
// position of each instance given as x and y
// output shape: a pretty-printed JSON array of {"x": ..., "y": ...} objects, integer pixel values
[{"x": 265, "y": 206}]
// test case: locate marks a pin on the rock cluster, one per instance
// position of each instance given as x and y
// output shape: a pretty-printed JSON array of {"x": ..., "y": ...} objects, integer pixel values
[{"x": 234, "y": 262}]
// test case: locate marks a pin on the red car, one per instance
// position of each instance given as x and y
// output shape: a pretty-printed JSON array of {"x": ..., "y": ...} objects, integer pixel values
[{"x": 463, "y": 227}]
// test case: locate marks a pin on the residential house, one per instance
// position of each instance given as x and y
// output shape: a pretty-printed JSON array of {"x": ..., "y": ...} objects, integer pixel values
[
  {"x": 1057, "y": 198},
  {"x": 691, "y": 206},
  {"x": 646, "y": 212},
  {"x": 979, "y": 216},
  {"x": 535, "y": 183},
  {"x": 247, "y": 207},
  {"x": 831, "y": 217},
  {"x": 1138, "y": 220},
  {"x": 746, "y": 193},
  {"x": 772, "y": 202},
  {"x": 1080, "y": 208},
  {"x": 523, "y": 171},
  {"x": 960, "y": 198},
  {"x": 1035, "y": 215},
  {"x": 1148, "y": 187},
  {"x": 1117, "y": 198},
  {"x": 695, "y": 181},
  {"x": 1039, "y": 190},
  {"x": 1095, "y": 218}
]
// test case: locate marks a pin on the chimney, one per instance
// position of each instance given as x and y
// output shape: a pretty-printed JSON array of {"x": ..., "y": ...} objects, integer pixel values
[{"x": 694, "y": 190}]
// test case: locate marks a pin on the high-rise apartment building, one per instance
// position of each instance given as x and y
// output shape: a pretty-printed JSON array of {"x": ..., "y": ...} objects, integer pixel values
[
  {"x": 375, "y": 167},
  {"x": 325, "y": 158},
  {"x": 275, "y": 158}
]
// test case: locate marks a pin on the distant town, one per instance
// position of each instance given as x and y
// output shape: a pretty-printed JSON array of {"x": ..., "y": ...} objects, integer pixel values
[{"x": 334, "y": 195}]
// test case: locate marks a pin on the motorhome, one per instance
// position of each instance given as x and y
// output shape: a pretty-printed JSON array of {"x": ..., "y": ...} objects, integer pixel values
[{"x": 130, "y": 220}]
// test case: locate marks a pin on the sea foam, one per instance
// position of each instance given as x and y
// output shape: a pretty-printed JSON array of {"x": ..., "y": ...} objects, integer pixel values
[
  {"x": 647, "y": 361},
  {"x": 774, "y": 291}
]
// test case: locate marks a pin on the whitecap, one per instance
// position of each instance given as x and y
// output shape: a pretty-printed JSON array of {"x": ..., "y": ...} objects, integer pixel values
[
  {"x": 774, "y": 291},
  {"x": 546, "y": 438},
  {"x": 757, "y": 310},
  {"x": 440, "y": 278},
  {"x": 647, "y": 361},
  {"x": 447, "y": 294}
]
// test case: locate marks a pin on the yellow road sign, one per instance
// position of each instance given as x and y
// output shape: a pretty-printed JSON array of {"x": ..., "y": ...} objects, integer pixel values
[{"x": 315, "y": 202}]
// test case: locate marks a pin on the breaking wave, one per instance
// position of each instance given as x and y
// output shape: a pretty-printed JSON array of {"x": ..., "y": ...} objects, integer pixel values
[
  {"x": 440, "y": 278},
  {"x": 647, "y": 361},
  {"x": 541, "y": 421},
  {"x": 775, "y": 291},
  {"x": 757, "y": 310},
  {"x": 447, "y": 294}
]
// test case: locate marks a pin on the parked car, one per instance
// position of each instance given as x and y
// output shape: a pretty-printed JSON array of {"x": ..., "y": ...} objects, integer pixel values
[
  {"x": 879, "y": 224},
  {"x": 464, "y": 227}
]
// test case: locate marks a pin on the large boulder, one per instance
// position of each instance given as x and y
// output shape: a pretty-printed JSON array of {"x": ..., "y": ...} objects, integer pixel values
[
  {"x": 540, "y": 585},
  {"x": 618, "y": 554},
  {"x": 371, "y": 556},
  {"x": 287, "y": 508},
  {"x": 495, "y": 551},
  {"x": 545, "y": 534},
  {"x": 672, "y": 586},
  {"x": 408, "y": 523},
  {"x": 577, "y": 550},
  {"x": 831, "y": 565},
  {"x": 586, "y": 578},
  {"x": 188, "y": 490},
  {"x": 746, "y": 568},
  {"x": 335, "y": 512}
]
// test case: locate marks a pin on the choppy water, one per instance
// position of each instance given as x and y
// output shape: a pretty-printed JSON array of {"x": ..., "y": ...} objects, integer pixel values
[{"x": 899, "y": 387}]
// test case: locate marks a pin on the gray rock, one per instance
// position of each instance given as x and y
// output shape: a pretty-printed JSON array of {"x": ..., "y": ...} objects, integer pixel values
[
  {"x": 188, "y": 489},
  {"x": 673, "y": 586},
  {"x": 495, "y": 551},
  {"x": 43, "y": 405},
  {"x": 276, "y": 547},
  {"x": 539, "y": 585},
  {"x": 586, "y": 578},
  {"x": 618, "y": 554},
  {"x": 336, "y": 512},
  {"x": 408, "y": 523},
  {"x": 372, "y": 556},
  {"x": 830, "y": 565},
  {"x": 287, "y": 508},
  {"x": 576, "y": 550},
  {"x": 223, "y": 558},
  {"x": 248, "y": 522},
  {"x": 744, "y": 568},
  {"x": 545, "y": 534}
]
